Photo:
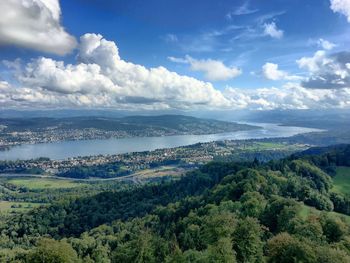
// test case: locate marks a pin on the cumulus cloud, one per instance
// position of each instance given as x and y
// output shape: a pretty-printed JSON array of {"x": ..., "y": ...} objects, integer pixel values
[
  {"x": 214, "y": 70},
  {"x": 101, "y": 78},
  {"x": 289, "y": 96},
  {"x": 55, "y": 76},
  {"x": 342, "y": 7},
  {"x": 34, "y": 24},
  {"x": 327, "y": 71},
  {"x": 29, "y": 97},
  {"x": 271, "y": 29},
  {"x": 326, "y": 45},
  {"x": 271, "y": 72},
  {"x": 314, "y": 63}
]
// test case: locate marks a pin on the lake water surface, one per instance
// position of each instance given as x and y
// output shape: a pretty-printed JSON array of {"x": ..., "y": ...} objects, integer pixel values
[{"x": 67, "y": 149}]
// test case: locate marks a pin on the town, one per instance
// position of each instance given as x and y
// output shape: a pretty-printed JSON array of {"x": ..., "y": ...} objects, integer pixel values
[{"x": 186, "y": 156}]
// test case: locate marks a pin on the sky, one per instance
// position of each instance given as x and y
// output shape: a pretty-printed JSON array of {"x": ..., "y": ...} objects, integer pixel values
[{"x": 175, "y": 54}]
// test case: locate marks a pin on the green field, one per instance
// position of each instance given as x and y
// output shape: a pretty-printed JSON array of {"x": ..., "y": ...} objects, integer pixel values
[
  {"x": 260, "y": 146},
  {"x": 305, "y": 211},
  {"x": 341, "y": 182},
  {"x": 6, "y": 207},
  {"x": 264, "y": 146},
  {"x": 160, "y": 172},
  {"x": 44, "y": 183}
]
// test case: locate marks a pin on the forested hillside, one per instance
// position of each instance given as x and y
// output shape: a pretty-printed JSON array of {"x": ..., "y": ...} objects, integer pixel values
[{"x": 282, "y": 211}]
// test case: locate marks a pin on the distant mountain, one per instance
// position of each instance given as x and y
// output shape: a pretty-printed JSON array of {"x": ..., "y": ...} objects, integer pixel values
[
  {"x": 187, "y": 123},
  {"x": 323, "y": 119}
]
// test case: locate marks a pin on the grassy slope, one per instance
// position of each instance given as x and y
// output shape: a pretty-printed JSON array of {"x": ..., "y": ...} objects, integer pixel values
[
  {"x": 341, "y": 182},
  {"x": 260, "y": 146},
  {"x": 305, "y": 211},
  {"x": 9, "y": 207},
  {"x": 44, "y": 183}
]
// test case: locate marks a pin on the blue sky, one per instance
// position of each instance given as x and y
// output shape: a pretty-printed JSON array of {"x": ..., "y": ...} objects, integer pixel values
[
  {"x": 192, "y": 37},
  {"x": 141, "y": 30}
]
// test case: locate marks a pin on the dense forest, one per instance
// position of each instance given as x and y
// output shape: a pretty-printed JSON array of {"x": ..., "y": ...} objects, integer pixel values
[
  {"x": 108, "y": 170},
  {"x": 279, "y": 211}
]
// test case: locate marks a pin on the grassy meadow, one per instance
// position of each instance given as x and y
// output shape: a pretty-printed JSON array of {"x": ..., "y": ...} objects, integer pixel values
[
  {"x": 44, "y": 183},
  {"x": 11, "y": 207},
  {"x": 341, "y": 182}
]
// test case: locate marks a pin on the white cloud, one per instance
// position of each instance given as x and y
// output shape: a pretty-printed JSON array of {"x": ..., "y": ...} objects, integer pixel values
[
  {"x": 327, "y": 71},
  {"x": 214, "y": 70},
  {"x": 55, "y": 76},
  {"x": 289, "y": 96},
  {"x": 342, "y": 7},
  {"x": 170, "y": 38},
  {"x": 327, "y": 45},
  {"x": 178, "y": 60},
  {"x": 102, "y": 78},
  {"x": 271, "y": 72},
  {"x": 34, "y": 24},
  {"x": 241, "y": 10},
  {"x": 314, "y": 63},
  {"x": 270, "y": 29}
]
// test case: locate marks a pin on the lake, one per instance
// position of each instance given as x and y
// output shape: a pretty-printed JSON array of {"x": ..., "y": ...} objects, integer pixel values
[{"x": 66, "y": 149}]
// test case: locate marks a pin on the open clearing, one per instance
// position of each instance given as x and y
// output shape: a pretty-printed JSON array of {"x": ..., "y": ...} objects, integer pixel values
[
  {"x": 6, "y": 206},
  {"x": 160, "y": 172},
  {"x": 305, "y": 211},
  {"x": 44, "y": 183},
  {"x": 341, "y": 182}
]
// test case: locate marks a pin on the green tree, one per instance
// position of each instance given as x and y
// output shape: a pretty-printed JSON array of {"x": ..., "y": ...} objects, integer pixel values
[
  {"x": 139, "y": 250},
  {"x": 333, "y": 228},
  {"x": 283, "y": 248},
  {"x": 310, "y": 228},
  {"x": 221, "y": 252},
  {"x": 330, "y": 255},
  {"x": 52, "y": 251},
  {"x": 217, "y": 226},
  {"x": 247, "y": 241},
  {"x": 101, "y": 254},
  {"x": 253, "y": 204},
  {"x": 176, "y": 255}
]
